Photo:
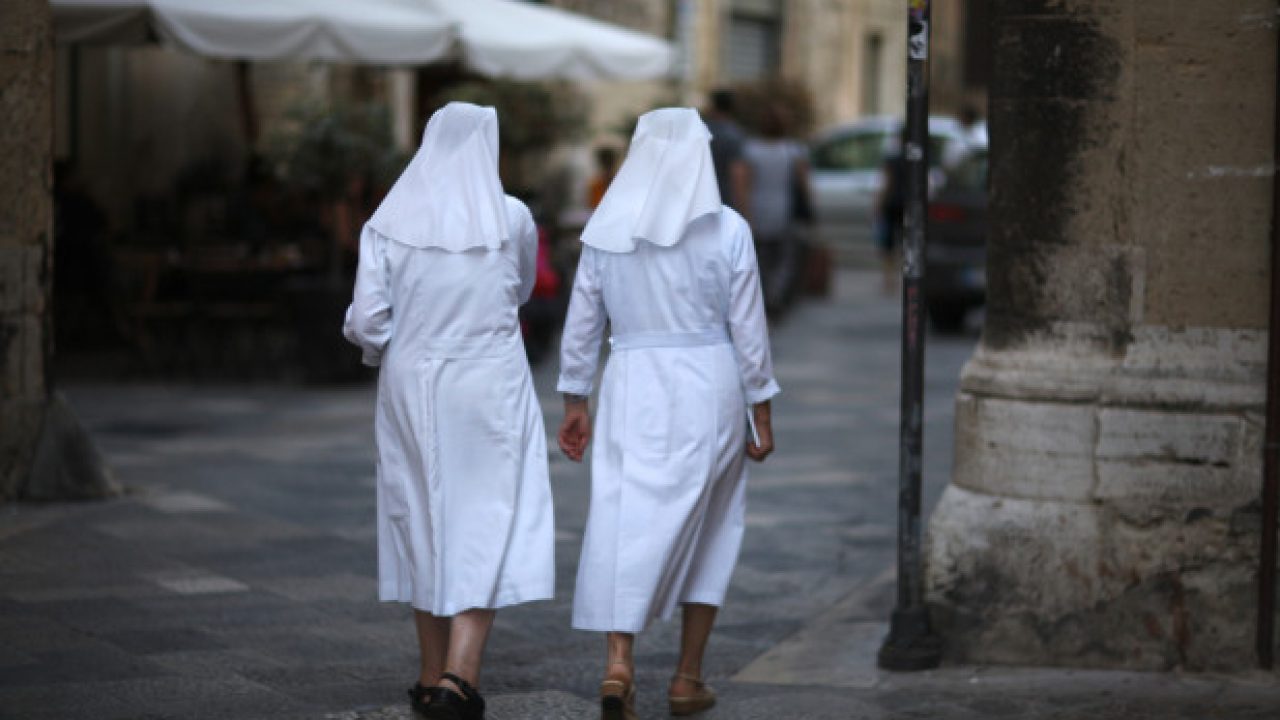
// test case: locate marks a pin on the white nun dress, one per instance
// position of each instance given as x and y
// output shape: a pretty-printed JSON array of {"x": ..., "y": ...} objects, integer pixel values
[
  {"x": 673, "y": 272},
  {"x": 463, "y": 501}
]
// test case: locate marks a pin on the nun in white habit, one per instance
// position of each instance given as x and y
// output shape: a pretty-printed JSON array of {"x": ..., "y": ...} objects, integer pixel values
[
  {"x": 464, "y": 514},
  {"x": 673, "y": 272}
]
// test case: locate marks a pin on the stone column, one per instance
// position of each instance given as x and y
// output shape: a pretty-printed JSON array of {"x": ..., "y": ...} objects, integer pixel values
[
  {"x": 1104, "y": 508},
  {"x": 44, "y": 453},
  {"x": 26, "y": 225}
]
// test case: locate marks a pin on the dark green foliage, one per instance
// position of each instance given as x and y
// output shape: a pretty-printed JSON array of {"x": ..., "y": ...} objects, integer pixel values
[{"x": 322, "y": 147}]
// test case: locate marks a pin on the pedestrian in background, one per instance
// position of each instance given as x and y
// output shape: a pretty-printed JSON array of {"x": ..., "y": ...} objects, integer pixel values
[
  {"x": 606, "y": 168},
  {"x": 673, "y": 272},
  {"x": 890, "y": 210},
  {"x": 779, "y": 205},
  {"x": 727, "y": 144},
  {"x": 973, "y": 134},
  {"x": 464, "y": 515}
]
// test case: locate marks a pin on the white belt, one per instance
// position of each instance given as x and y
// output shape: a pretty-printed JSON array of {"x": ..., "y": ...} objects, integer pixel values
[{"x": 696, "y": 338}]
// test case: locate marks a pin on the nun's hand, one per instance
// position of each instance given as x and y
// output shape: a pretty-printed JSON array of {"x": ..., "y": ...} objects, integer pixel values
[
  {"x": 763, "y": 416},
  {"x": 575, "y": 431}
]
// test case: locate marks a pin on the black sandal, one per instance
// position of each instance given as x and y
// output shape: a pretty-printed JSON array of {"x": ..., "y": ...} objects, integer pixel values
[
  {"x": 446, "y": 704},
  {"x": 419, "y": 698}
]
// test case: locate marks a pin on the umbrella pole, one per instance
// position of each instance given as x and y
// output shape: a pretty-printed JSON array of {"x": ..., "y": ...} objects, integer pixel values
[{"x": 248, "y": 112}]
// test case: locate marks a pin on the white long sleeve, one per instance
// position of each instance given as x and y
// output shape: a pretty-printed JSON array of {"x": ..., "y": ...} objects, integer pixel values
[
  {"x": 583, "y": 329},
  {"x": 526, "y": 239},
  {"x": 368, "y": 321},
  {"x": 748, "y": 327}
]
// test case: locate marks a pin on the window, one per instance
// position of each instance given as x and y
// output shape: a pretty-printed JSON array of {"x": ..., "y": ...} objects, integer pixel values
[
  {"x": 938, "y": 149},
  {"x": 872, "y": 70},
  {"x": 866, "y": 150},
  {"x": 863, "y": 151},
  {"x": 970, "y": 173},
  {"x": 752, "y": 40}
]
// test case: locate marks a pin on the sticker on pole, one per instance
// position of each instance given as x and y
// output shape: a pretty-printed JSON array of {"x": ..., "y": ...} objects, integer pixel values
[{"x": 918, "y": 30}]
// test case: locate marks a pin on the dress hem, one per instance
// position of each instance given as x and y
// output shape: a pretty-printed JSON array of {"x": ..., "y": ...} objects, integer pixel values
[
  {"x": 714, "y": 599},
  {"x": 452, "y": 609}
]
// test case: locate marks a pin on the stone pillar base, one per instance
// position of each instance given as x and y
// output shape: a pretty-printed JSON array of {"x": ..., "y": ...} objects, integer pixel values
[
  {"x": 66, "y": 464},
  {"x": 1104, "y": 507}
]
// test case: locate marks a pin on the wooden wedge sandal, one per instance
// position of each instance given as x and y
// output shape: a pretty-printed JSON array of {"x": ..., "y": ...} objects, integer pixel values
[
  {"x": 617, "y": 700},
  {"x": 682, "y": 705}
]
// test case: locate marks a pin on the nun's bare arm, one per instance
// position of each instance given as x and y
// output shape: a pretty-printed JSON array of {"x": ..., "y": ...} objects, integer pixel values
[
  {"x": 763, "y": 416},
  {"x": 575, "y": 430}
]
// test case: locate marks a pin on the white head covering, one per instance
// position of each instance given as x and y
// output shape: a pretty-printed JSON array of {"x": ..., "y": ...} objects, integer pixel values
[
  {"x": 450, "y": 195},
  {"x": 667, "y": 181}
]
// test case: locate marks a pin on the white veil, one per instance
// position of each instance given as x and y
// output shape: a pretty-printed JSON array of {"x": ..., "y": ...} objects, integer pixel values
[
  {"x": 667, "y": 181},
  {"x": 450, "y": 195}
]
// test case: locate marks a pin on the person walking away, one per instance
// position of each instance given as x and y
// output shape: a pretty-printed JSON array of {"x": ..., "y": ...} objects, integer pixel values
[
  {"x": 464, "y": 516},
  {"x": 890, "y": 205},
  {"x": 673, "y": 272},
  {"x": 727, "y": 142},
  {"x": 779, "y": 187}
]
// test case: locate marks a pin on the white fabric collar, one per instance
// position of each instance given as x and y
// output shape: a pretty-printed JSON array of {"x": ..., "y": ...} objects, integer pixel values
[
  {"x": 450, "y": 195},
  {"x": 667, "y": 181}
]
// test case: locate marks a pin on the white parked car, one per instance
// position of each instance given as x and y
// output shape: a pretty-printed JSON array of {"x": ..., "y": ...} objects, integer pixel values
[{"x": 846, "y": 163}]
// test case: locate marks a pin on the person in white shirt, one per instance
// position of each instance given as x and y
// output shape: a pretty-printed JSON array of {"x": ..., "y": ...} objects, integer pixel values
[
  {"x": 464, "y": 516},
  {"x": 972, "y": 136},
  {"x": 673, "y": 272}
]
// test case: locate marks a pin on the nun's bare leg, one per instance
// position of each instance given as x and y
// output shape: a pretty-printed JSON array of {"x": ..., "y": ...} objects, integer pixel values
[
  {"x": 468, "y": 633},
  {"x": 696, "y": 629},
  {"x": 621, "y": 664},
  {"x": 433, "y": 644}
]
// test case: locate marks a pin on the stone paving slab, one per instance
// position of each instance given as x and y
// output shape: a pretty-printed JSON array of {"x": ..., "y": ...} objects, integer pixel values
[{"x": 548, "y": 705}]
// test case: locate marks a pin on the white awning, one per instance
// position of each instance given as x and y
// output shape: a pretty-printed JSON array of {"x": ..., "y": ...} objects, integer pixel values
[
  {"x": 382, "y": 32},
  {"x": 509, "y": 38},
  {"x": 500, "y": 38}
]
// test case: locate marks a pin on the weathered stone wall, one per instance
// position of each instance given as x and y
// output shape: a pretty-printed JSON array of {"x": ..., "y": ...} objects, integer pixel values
[
  {"x": 1104, "y": 505},
  {"x": 26, "y": 225}
]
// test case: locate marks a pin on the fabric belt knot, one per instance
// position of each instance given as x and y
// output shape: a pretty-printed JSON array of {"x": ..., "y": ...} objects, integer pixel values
[{"x": 693, "y": 338}]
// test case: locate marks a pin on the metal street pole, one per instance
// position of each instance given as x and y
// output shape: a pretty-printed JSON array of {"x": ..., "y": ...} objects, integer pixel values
[{"x": 911, "y": 644}]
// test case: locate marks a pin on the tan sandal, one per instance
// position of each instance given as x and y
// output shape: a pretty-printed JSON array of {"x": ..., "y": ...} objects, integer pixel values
[
  {"x": 690, "y": 704},
  {"x": 617, "y": 700}
]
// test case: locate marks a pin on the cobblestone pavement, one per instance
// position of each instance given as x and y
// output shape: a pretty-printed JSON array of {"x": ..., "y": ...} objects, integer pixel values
[{"x": 236, "y": 578}]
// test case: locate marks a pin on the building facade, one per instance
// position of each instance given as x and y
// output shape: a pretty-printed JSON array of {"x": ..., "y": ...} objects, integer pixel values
[{"x": 850, "y": 54}]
